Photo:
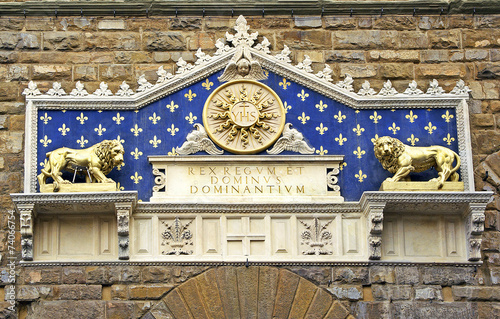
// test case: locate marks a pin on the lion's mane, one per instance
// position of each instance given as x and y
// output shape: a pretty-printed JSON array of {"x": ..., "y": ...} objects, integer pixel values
[
  {"x": 389, "y": 162},
  {"x": 102, "y": 150}
]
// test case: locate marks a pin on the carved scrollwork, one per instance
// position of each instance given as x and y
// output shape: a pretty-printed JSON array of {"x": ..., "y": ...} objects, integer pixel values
[
  {"x": 27, "y": 248},
  {"x": 316, "y": 236},
  {"x": 160, "y": 180},
  {"x": 177, "y": 236},
  {"x": 332, "y": 179}
]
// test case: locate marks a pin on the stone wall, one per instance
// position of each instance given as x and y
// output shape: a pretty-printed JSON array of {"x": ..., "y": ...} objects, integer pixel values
[{"x": 399, "y": 48}]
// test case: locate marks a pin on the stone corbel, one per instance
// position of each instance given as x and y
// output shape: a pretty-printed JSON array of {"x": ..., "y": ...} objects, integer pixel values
[
  {"x": 475, "y": 229},
  {"x": 27, "y": 216},
  {"x": 375, "y": 219},
  {"x": 123, "y": 213}
]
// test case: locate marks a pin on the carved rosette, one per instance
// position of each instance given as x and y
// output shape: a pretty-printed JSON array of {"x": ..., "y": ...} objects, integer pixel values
[{"x": 475, "y": 229}]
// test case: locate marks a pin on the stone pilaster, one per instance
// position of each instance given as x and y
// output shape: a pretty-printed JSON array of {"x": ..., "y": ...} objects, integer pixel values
[
  {"x": 123, "y": 212},
  {"x": 475, "y": 228},
  {"x": 26, "y": 217},
  {"x": 375, "y": 218}
]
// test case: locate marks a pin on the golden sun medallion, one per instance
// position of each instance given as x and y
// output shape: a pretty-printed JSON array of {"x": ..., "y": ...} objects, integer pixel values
[{"x": 244, "y": 116}]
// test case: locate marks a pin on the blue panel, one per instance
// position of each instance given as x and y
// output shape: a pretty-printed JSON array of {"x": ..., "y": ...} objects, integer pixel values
[{"x": 329, "y": 126}]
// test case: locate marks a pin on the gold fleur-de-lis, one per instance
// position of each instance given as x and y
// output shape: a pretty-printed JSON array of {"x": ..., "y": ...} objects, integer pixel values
[
  {"x": 303, "y": 118},
  {"x": 172, "y": 106},
  {"x": 448, "y": 139},
  {"x": 136, "y": 130},
  {"x": 303, "y": 95},
  {"x": 155, "y": 142},
  {"x": 118, "y": 118},
  {"x": 136, "y": 153},
  {"x": 154, "y": 118},
  {"x": 191, "y": 118},
  {"x": 342, "y": 165},
  {"x": 394, "y": 128},
  {"x": 45, "y": 141},
  {"x": 173, "y": 152},
  {"x": 339, "y": 117},
  {"x": 266, "y": 73},
  {"x": 321, "y": 106},
  {"x": 287, "y": 107},
  {"x": 190, "y": 96},
  {"x": 44, "y": 163},
  {"x": 82, "y": 141},
  {"x": 63, "y": 129},
  {"x": 375, "y": 117},
  {"x": 322, "y": 129},
  {"x": 358, "y": 130},
  {"x": 359, "y": 152},
  {"x": 360, "y": 176},
  {"x": 118, "y": 186},
  {"x": 321, "y": 151},
  {"x": 45, "y": 118},
  {"x": 430, "y": 128},
  {"x": 284, "y": 84},
  {"x": 207, "y": 84},
  {"x": 100, "y": 130},
  {"x": 412, "y": 139},
  {"x": 374, "y": 138},
  {"x": 412, "y": 117},
  {"x": 136, "y": 178},
  {"x": 119, "y": 167},
  {"x": 447, "y": 117},
  {"x": 172, "y": 129},
  {"x": 82, "y": 118},
  {"x": 119, "y": 139},
  {"x": 340, "y": 139}
]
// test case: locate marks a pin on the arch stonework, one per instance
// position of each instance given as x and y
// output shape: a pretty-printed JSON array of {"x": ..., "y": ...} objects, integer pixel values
[{"x": 248, "y": 292}]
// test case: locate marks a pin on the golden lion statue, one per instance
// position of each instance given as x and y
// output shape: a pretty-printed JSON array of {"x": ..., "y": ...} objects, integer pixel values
[
  {"x": 98, "y": 160},
  {"x": 401, "y": 159}
]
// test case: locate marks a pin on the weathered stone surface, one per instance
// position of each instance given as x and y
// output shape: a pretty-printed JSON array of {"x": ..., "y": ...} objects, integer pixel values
[
  {"x": 127, "y": 41},
  {"x": 320, "y": 304},
  {"x": 476, "y": 55},
  {"x": 73, "y": 275},
  {"x": 248, "y": 281},
  {"x": 488, "y": 310},
  {"x": 63, "y": 308},
  {"x": 448, "y": 276},
  {"x": 221, "y": 24},
  {"x": 6, "y": 311},
  {"x": 28, "y": 41},
  {"x": 160, "y": 311},
  {"x": 381, "y": 274},
  {"x": 303, "y": 297},
  {"x": 407, "y": 275},
  {"x": 155, "y": 274},
  {"x": 494, "y": 55},
  {"x": 310, "y": 40},
  {"x": 351, "y": 275},
  {"x": 413, "y": 40},
  {"x": 337, "y": 311},
  {"x": 483, "y": 120},
  {"x": 152, "y": 291},
  {"x": 480, "y": 38},
  {"x": 340, "y": 23},
  {"x": 176, "y": 305},
  {"x": 344, "y": 56},
  {"x": 396, "y": 71},
  {"x": 119, "y": 292},
  {"x": 7, "y": 24},
  {"x": 350, "y": 292},
  {"x": 287, "y": 286},
  {"x": 486, "y": 142},
  {"x": 164, "y": 41},
  {"x": 391, "y": 292},
  {"x": 275, "y": 23},
  {"x": 395, "y": 23},
  {"x": 120, "y": 309},
  {"x": 433, "y": 22},
  {"x": 8, "y": 57},
  {"x": 207, "y": 283},
  {"x": 51, "y": 72},
  {"x": 444, "y": 39},
  {"x": 369, "y": 39},
  {"x": 29, "y": 293},
  {"x": 491, "y": 241},
  {"x": 378, "y": 309},
  {"x": 8, "y": 40},
  {"x": 307, "y": 22},
  {"x": 226, "y": 281},
  {"x": 318, "y": 275},
  {"x": 428, "y": 293},
  {"x": 408, "y": 309},
  {"x": 434, "y": 56},
  {"x": 77, "y": 292},
  {"x": 192, "y": 297},
  {"x": 185, "y": 23},
  {"x": 358, "y": 70},
  {"x": 116, "y": 72},
  {"x": 442, "y": 70},
  {"x": 107, "y": 24},
  {"x": 456, "y": 56},
  {"x": 61, "y": 41},
  {"x": 85, "y": 73},
  {"x": 486, "y": 21}
]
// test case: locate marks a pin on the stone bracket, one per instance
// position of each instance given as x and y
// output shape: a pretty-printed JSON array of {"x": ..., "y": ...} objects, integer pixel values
[
  {"x": 123, "y": 213},
  {"x": 475, "y": 228},
  {"x": 27, "y": 216},
  {"x": 375, "y": 219}
]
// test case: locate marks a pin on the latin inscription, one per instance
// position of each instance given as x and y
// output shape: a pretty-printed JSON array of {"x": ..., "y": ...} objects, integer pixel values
[{"x": 247, "y": 180}]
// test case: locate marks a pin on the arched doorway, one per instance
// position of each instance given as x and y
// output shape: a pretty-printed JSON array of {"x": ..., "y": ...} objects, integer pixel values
[{"x": 247, "y": 292}]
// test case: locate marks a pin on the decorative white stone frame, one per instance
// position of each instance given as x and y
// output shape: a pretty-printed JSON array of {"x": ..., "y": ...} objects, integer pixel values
[{"x": 372, "y": 205}]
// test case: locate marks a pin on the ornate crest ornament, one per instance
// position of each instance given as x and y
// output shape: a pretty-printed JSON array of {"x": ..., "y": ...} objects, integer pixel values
[{"x": 244, "y": 117}]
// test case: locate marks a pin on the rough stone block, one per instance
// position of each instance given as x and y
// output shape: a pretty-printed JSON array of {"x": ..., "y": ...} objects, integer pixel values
[
  {"x": 440, "y": 39},
  {"x": 358, "y": 70},
  {"x": 28, "y": 41},
  {"x": 30, "y": 293},
  {"x": 448, "y": 276},
  {"x": 307, "y": 22},
  {"x": 340, "y": 23},
  {"x": 491, "y": 240},
  {"x": 407, "y": 275},
  {"x": 78, "y": 292},
  {"x": 443, "y": 70},
  {"x": 480, "y": 38},
  {"x": 8, "y": 40},
  {"x": 381, "y": 274},
  {"x": 52, "y": 72},
  {"x": 192, "y": 297},
  {"x": 396, "y": 70},
  {"x": 64, "y": 308},
  {"x": 304, "y": 296},
  {"x": 391, "y": 292},
  {"x": 413, "y": 40},
  {"x": 395, "y": 23},
  {"x": 168, "y": 41},
  {"x": 428, "y": 293},
  {"x": 377, "y": 309},
  {"x": 495, "y": 275},
  {"x": 127, "y": 41},
  {"x": 116, "y": 72},
  {"x": 274, "y": 23},
  {"x": 119, "y": 292},
  {"x": 476, "y": 55},
  {"x": 409, "y": 309},
  {"x": 221, "y": 24},
  {"x": 337, "y": 311},
  {"x": 8, "y": 57},
  {"x": 7, "y": 24},
  {"x": 176, "y": 305},
  {"x": 494, "y": 55},
  {"x": 486, "y": 142},
  {"x": 155, "y": 274},
  {"x": 488, "y": 310},
  {"x": 85, "y": 73},
  {"x": 486, "y": 21},
  {"x": 433, "y": 22},
  {"x": 394, "y": 56},
  {"x": 185, "y": 23},
  {"x": 210, "y": 294},
  {"x": 320, "y": 304},
  {"x": 351, "y": 275},
  {"x": 18, "y": 73},
  {"x": 61, "y": 41},
  {"x": 344, "y": 56},
  {"x": 349, "y": 292},
  {"x": 434, "y": 56},
  {"x": 460, "y": 21},
  {"x": 287, "y": 285},
  {"x": 117, "y": 24},
  {"x": 154, "y": 291},
  {"x": 73, "y": 275},
  {"x": 318, "y": 275},
  {"x": 120, "y": 310},
  {"x": 365, "y": 39},
  {"x": 310, "y": 40},
  {"x": 456, "y": 56}
]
